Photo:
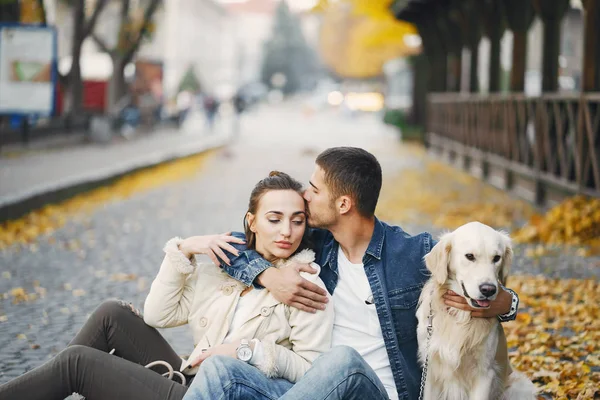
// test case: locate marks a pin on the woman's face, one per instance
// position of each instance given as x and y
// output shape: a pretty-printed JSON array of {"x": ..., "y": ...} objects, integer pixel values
[{"x": 279, "y": 223}]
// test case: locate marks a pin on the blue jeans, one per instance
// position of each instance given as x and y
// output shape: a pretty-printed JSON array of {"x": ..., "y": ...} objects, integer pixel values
[{"x": 341, "y": 373}]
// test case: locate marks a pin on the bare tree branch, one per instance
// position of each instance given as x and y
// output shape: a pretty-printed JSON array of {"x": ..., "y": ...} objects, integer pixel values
[
  {"x": 89, "y": 27},
  {"x": 101, "y": 43},
  {"x": 147, "y": 18},
  {"x": 64, "y": 78},
  {"x": 125, "y": 5}
]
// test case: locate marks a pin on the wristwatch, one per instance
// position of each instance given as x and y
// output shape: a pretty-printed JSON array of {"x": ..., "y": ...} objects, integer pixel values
[
  {"x": 244, "y": 351},
  {"x": 514, "y": 306}
]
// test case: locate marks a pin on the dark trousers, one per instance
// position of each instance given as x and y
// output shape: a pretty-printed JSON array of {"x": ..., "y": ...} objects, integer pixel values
[{"x": 87, "y": 368}]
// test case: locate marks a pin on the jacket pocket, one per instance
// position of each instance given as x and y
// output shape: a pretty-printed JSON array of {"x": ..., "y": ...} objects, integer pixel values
[{"x": 403, "y": 303}]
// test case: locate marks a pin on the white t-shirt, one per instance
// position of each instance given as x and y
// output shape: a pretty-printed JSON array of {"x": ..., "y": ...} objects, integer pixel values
[{"x": 356, "y": 323}]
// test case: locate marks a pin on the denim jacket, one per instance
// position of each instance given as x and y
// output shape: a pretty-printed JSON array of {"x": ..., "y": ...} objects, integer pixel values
[{"x": 396, "y": 272}]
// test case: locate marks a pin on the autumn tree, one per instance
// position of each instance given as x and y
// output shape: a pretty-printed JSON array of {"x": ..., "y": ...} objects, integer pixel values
[
  {"x": 286, "y": 52},
  {"x": 135, "y": 25},
  {"x": 83, "y": 27},
  {"x": 359, "y": 36}
]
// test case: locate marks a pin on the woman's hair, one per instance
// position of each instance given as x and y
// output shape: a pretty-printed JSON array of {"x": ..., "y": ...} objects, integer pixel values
[{"x": 275, "y": 181}]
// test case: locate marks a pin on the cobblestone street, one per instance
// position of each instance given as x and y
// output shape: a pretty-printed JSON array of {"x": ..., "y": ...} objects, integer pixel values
[{"x": 116, "y": 251}]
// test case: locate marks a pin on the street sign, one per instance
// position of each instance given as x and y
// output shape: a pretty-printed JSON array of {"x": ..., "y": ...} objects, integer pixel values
[{"x": 27, "y": 69}]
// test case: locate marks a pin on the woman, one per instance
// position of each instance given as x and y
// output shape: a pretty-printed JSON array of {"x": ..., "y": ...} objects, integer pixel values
[{"x": 107, "y": 357}]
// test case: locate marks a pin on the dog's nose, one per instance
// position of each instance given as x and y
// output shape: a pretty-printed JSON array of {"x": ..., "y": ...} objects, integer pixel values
[{"x": 487, "y": 290}]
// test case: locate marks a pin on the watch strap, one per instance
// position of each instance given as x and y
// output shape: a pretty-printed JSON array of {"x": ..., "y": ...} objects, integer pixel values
[{"x": 514, "y": 306}]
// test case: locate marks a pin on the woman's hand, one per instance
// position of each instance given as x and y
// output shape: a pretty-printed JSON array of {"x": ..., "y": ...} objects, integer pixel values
[
  {"x": 226, "y": 349},
  {"x": 211, "y": 245},
  {"x": 501, "y": 305}
]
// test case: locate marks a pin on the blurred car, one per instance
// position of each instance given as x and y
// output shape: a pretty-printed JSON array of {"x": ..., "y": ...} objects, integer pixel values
[
  {"x": 253, "y": 93},
  {"x": 366, "y": 101}
]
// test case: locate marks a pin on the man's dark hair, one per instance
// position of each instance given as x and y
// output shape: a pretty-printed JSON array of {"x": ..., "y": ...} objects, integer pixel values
[{"x": 353, "y": 172}]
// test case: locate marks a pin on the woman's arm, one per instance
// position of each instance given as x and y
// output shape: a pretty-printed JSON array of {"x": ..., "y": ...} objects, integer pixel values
[
  {"x": 171, "y": 294},
  {"x": 172, "y": 291},
  {"x": 310, "y": 337}
]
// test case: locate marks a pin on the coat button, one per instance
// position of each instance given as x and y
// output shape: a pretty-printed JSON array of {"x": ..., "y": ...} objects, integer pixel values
[
  {"x": 227, "y": 290},
  {"x": 203, "y": 322},
  {"x": 265, "y": 311}
]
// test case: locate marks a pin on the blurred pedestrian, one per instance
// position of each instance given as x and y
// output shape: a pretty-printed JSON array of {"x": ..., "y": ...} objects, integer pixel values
[
  {"x": 184, "y": 104},
  {"x": 239, "y": 106},
  {"x": 211, "y": 108}
]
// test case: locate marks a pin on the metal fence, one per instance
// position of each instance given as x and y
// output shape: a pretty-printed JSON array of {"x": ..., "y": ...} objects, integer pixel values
[{"x": 552, "y": 139}]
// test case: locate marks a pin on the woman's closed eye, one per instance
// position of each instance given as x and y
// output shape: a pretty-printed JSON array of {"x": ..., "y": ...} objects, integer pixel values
[{"x": 295, "y": 222}]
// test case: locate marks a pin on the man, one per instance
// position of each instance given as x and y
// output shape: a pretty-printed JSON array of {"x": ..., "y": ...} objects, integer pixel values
[
  {"x": 211, "y": 108},
  {"x": 375, "y": 273},
  {"x": 239, "y": 105}
]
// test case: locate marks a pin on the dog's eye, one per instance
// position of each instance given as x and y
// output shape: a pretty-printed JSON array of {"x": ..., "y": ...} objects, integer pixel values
[
  {"x": 496, "y": 259},
  {"x": 470, "y": 257}
]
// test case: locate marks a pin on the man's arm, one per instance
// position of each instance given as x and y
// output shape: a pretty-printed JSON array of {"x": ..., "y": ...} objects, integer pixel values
[
  {"x": 511, "y": 315},
  {"x": 285, "y": 284},
  {"x": 246, "y": 266},
  {"x": 504, "y": 307}
]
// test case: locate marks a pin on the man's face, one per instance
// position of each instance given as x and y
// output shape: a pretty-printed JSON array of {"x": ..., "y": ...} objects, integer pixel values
[{"x": 320, "y": 204}]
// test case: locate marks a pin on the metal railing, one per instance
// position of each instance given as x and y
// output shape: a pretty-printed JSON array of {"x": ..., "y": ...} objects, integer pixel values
[{"x": 553, "y": 139}]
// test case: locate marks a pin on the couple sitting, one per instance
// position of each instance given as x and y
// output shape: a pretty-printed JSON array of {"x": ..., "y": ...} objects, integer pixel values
[{"x": 293, "y": 340}]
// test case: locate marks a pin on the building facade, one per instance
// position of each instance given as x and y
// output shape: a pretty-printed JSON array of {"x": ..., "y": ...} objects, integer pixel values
[{"x": 189, "y": 34}]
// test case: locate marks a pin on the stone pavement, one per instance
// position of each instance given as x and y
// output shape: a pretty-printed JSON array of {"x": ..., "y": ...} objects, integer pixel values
[{"x": 119, "y": 247}]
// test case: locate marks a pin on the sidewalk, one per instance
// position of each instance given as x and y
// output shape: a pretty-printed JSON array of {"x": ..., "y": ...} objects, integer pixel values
[{"x": 38, "y": 177}]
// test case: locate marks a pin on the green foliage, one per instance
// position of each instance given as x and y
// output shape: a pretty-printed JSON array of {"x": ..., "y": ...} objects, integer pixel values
[
  {"x": 189, "y": 81},
  {"x": 399, "y": 119},
  {"x": 287, "y": 52},
  {"x": 395, "y": 117}
]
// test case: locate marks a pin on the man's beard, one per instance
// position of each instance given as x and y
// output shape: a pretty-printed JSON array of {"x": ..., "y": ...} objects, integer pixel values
[{"x": 322, "y": 221}]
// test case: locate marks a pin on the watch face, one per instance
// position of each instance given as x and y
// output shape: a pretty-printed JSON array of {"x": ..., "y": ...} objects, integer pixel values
[{"x": 244, "y": 354}]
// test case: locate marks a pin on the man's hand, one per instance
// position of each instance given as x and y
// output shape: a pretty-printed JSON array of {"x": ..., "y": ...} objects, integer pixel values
[
  {"x": 211, "y": 245},
  {"x": 226, "y": 349},
  {"x": 501, "y": 305},
  {"x": 287, "y": 286}
]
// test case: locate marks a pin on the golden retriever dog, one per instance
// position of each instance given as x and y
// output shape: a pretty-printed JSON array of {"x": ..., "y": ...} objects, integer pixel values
[{"x": 467, "y": 357}]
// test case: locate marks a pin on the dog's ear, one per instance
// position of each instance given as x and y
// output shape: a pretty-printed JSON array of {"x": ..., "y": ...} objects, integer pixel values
[
  {"x": 438, "y": 259},
  {"x": 506, "y": 259}
]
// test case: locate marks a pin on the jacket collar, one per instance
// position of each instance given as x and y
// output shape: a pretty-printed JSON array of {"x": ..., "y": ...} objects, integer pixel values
[
  {"x": 332, "y": 256},
  {"x": 376, "y": 244}
]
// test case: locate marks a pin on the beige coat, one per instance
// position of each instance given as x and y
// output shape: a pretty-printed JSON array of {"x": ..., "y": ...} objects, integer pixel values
[{"x": 205, "y": 297}]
